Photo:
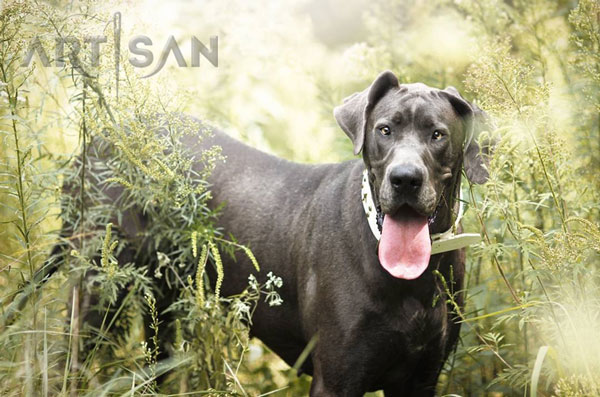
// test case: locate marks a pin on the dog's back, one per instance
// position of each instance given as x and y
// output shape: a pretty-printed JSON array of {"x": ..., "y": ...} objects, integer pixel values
[{"x": 292, "y": 218}]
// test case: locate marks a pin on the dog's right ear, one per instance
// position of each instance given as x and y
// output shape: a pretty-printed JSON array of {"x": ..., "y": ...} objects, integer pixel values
[{"x": 352, "y": 115}]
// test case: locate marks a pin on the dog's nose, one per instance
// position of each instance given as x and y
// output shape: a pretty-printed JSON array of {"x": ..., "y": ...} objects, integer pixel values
[{"x": 406, "y": 177}]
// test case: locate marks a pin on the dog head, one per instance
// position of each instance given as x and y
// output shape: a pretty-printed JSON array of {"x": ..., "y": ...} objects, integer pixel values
[{"x": 415, "y": 142}]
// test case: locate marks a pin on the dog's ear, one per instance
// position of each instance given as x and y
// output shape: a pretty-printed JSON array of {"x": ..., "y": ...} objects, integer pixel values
[
  {"x": 476, "y": 158},
  {"x": 352, "y": 115}
]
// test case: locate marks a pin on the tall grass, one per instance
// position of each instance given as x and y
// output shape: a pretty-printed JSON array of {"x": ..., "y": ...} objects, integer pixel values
[
  {"x": 72, "y": 135},
  {"x": 539, "y": 212},
  {"x": 82, "y": 332}
]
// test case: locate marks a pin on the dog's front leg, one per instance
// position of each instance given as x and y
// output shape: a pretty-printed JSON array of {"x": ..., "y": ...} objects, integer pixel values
[
  {"x": 336, "y": 374},
  {"x": 318, "y": 387},
  {"x": 323, "y": 387},
  {"x": 422, "y": 382}
]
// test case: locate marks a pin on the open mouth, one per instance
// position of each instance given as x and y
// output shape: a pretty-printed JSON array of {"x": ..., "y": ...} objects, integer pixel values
[{"x": 405, "y": 245}]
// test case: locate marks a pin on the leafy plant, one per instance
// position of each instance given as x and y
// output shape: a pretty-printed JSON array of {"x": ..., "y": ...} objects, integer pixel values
[{"x": 72, "y": 135}]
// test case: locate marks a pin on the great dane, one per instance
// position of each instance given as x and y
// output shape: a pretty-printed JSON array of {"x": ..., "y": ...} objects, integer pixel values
[
  {"x": 355, "y": 242},
  {"x": 377, "y": 308}
]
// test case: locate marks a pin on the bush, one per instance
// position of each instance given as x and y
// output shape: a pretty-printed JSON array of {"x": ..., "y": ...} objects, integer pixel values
[{"x": 533, "y": 288}]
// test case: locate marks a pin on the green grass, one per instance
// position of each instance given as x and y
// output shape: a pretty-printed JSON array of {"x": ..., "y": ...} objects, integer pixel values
[{"x": 532, "y": 287}]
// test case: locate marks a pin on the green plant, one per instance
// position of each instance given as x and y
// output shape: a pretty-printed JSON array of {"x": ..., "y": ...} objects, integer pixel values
[
  {"x": 131, "y": 157},
  {"x": 532, "y": 286}
]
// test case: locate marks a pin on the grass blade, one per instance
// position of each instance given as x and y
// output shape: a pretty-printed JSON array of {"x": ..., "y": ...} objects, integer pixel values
[{"x": 537, "y": 368}]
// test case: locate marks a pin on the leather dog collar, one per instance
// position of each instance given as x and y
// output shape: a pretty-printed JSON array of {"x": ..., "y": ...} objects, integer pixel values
[{"x": 440, "y": 242}]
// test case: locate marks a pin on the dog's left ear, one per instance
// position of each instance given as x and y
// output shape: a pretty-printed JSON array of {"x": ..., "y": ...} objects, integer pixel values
[
  {"x": 476, "y": 158},
  {"x": 353, "y": 114}
]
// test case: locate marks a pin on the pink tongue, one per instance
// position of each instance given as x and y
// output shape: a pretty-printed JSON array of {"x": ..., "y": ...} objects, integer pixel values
[{"x": 404, "y": 247}]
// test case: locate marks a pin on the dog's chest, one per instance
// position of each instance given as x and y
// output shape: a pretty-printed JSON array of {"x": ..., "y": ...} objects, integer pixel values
[
  {"x": 411, "y": 335},
  {"x": 416, "y": 324}
]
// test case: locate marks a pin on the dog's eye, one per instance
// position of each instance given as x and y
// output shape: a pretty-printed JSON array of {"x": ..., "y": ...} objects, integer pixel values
[
  {"x": 436, "y": 135},
  {"x": 385, "y": 130}
]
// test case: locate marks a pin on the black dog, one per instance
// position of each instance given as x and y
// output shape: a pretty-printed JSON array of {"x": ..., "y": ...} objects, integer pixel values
[{"x": 378, "y": 309}]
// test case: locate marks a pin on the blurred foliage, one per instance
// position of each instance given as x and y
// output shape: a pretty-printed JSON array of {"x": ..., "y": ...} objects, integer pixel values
[{"x": 533, "y": 285}]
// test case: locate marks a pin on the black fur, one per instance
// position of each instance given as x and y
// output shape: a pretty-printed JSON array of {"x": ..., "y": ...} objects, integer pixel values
[{"x": 305, "y": 223}]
